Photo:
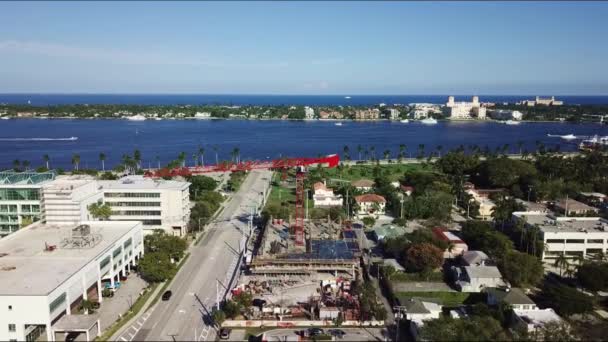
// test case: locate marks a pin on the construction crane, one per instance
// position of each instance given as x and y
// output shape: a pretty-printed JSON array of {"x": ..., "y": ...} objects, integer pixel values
[{"x": 282, "y": 164}]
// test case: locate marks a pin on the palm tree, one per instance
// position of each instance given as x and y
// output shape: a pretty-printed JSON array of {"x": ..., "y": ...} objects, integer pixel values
[
  {"x": 26, "y": 165},
  {"x": 359, "y": 149},
  {"x": 366, "y": 153},
  {"x": 16, "y": 164},
  {"x": 215, "y": 148},
  {"x": 201, "y": 152},
  {"x": 181, "y": 157},
  {"x": 520, "y": 145},
  {"x": 561, "y": 262},
  {"x": 387, "y": 154},
  {"x": 46, "y": 159},
  {"x": 137, "y": 158},
  {"x": 421, "y": 150},
  {"x": 194, "y": 159},
  {"x": 373, "y": 151},
  {"x": 402, "y": 148},
  {"x": 76, "y": 161},
  {"x": 346, "y": 152},
  {"x": 158, "y": 161},
  {"x": 236, "y": 154},
  {"x": 439, "y": 148},
  {"x": 102, "y": 158}
]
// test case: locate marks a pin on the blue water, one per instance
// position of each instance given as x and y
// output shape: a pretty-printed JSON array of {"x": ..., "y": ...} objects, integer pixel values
[
  {"x": 258, "y": 139},
  {"x": 311, "y": 100}
]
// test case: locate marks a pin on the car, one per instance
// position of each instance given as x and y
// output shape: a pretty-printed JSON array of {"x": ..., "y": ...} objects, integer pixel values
[
  {"x": 225, "y": 333},
  {"x": 167, "y": 295},
  {"x": 337, "y": 333},
  {"x": 315, "y": 331}
]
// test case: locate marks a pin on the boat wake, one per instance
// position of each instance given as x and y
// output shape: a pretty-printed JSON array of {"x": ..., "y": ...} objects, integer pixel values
[{"x": 39, "y": 139}]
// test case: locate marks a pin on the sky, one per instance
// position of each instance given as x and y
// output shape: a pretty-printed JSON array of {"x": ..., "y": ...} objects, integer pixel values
[{"x": 309, "y": 47}]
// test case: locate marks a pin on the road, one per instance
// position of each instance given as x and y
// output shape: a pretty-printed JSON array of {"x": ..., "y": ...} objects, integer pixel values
[{"x": 213, "y": 261}]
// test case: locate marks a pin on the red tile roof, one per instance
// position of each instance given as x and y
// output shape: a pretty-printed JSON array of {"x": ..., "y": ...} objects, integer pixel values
[
  {"x": 370, "y": 198},
  {"x": 363, "y": 183}
]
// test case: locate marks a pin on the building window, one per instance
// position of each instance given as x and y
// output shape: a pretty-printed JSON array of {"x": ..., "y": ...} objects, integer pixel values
[
  {"x": 57, "y": 302},
  {"x": 136, "y": 213},
  {"x": 12, "y": 328},
  {"x": 104, "y": 262},
  {"x": 133, "y": 194},
  {"x": 116, "y": 252},
  {"x": 595, "y": 241},
  {"x": 575, "y": 241},
  {"x": 128, "y": 243},
  {"x": 555, "y": 241},
  {"x": 134, "y": 204}
]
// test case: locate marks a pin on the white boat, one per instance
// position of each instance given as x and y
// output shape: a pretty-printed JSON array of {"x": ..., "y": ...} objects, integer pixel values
[
  {"x": 428, "y": 121},
  {"x": 565, "y": 137},
  {"x": 137, "y": 117},
  {"x": 347, "y": 97},
  {"x": 5, "y": 118},
  {"x": 157, "y": 119},
  {"x": 338, "y": 124},
  {"x": 405, "y": 121},
  {"x": 512, "y": 122},
  {"x": 594, "y": 143}
]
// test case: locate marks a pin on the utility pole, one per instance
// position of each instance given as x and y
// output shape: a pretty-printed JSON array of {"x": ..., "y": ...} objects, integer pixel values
[
  {"x": 399, "y": 315},
  {"x": 306, "y": 204}
]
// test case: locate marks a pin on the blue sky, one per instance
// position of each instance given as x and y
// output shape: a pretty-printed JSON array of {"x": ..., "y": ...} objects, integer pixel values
[{"x": 305, "y": 47}]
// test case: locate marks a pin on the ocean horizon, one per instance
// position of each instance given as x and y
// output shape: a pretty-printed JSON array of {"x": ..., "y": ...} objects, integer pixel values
[{"x": 52, "y": 99}]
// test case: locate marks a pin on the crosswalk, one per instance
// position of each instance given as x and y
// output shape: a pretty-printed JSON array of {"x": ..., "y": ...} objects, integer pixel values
[{"x": 132, "y": 331}]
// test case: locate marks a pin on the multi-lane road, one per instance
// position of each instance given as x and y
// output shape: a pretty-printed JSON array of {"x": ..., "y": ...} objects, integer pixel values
[{"x": 210, "y": 267}]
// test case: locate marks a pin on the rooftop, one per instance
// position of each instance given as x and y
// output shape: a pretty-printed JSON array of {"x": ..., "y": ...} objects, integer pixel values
[
  {"x": 10, "y": 177},
  {"x": 537, "y": 317},
  {"x": 370, "y": 198},
  {"x": 142, "y": 183},
  {"x": 513, "y": 296},
  {"x": 26, "y": 268},
  {"x": 65, "y": 182},
  {"x": 420, "y": 305},
  {"x": 593, "y": 194},
  {"x": 474, "y": 257},
  {"x": 483, "y": 272},
  {"x": 549, "y": 223},
  {"x": 532, "y": 206},
  {"x": 446, "y": 235},
  {"x": 573, "y": 205},
  {"x": 363, "y": 183},
  {"x": 326, "y": 250}
]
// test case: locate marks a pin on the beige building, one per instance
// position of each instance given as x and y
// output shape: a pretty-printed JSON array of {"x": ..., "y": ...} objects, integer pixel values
[
  {"x": 370, "y": 205},
  {"x": 550, "y": 101},
  {"x": 367, "y": 114},
  {"x": 465, "y": 110}
]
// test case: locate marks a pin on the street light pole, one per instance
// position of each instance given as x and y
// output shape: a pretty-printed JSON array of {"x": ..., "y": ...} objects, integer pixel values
[{"x": 399, "y": 313}]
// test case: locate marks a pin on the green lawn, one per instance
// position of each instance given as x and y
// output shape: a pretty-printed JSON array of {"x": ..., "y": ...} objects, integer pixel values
[
  {"x": 408, "y": 277},
  {"x": 446, "y": 298},
  {"x": 354, "y": 172}
]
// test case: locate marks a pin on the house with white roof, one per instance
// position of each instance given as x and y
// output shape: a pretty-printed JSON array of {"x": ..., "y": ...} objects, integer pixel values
[
  {"x": 533, "y": 320},
  {"x": 325, "y": 197},
  {"x": 477, "y": 278}
]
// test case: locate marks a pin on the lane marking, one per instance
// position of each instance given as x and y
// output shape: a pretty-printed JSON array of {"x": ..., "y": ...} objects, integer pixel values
[{"x": 124, "y": 339}]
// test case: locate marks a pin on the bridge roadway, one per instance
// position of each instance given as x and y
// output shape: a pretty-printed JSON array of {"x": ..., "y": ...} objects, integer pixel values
[{"x": 186, "y": 315}]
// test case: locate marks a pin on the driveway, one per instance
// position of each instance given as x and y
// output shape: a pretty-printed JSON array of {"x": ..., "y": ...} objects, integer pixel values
[{"x": 113, "y": 307}]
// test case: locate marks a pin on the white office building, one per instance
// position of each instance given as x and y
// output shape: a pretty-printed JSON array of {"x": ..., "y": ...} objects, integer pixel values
[
  {"x": 66, "y": 200},
  {"x": 20, "y": 197},
  {"x": 571, "y": 236},
  {"x": 159, "y": 204},
  {"x": 309, "y": 113},
  {"x": 465, "y": 110},
  {"x": 47, "y": 270}
]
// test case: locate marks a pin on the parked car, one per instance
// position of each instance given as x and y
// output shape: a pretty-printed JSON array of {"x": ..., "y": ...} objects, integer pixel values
[
  {"x": 116, "y": 286},
  {"x": 315, "y": 331},
  {"x": 167, "y": 295},
  {"x": 337, "y": 333},
  {"x": 225, "y": 333}
]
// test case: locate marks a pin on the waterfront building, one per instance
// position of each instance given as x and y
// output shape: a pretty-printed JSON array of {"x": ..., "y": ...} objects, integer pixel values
[
  {"x": 393, "y": 114},
  {"x": 465, "y": 110},
  {"x": 367, "y": 114},
  {"x": 423, "y": 110},
  {"x": 48, "y": 270},
  {"x": 550, "y": 101},
  {"x": 330, "y": 115},
  {"x": 159, "y": 204},
  {"x": 325, "y": 197},
  {"x": 370, "y": 205},
  {"x": 20, "y": 197},
  {"x": 506, "y": 114},
  {"x": 202, "y": 115},
  {"x": 66, "y": 200},
  {"x": 572, "y": 236},
  {"x": 309, "y": 113}
]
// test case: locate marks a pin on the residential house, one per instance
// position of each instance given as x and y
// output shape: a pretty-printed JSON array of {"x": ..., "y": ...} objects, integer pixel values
[
  {"x": 370, "y": 205},
  {"x": 474, "y": 258},
  {"x": 330, "y": 115},
  {"x": 477, "y": 278},
  {"x": 514, "y": 297},
  {"x": 485, "y": 204},
  {"x": 455, "y": 247},
  {"x": 325, "y": 197},
  {"x": 387, "y": 231},
  {"x": 533, "y": 320},
  {"x": 533, "y": 206},
  {"x": 363, "y": 184},
  {"x": 419, "y": 310}
]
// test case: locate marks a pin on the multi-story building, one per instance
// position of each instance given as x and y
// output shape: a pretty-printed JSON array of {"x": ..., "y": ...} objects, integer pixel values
[
  {"x": 423, "y": 110},
  {"x": 20, "y": 194},
  {"x": 367, "y": 114},
  {"x": 571, "y": 236},
  {"x": 159, "y": 204},
  {"x": 370, "y": 205},
  {"x": 393, "y": 114},
  {"x": 66, "y": 200},
  {"x": 465, "y": 110},
  {"x": 550, "y": 101},
  {"x": 506, "y": 114},
  {"x": 309, "y": 113},
  {"x": 48, "y": 270}
]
